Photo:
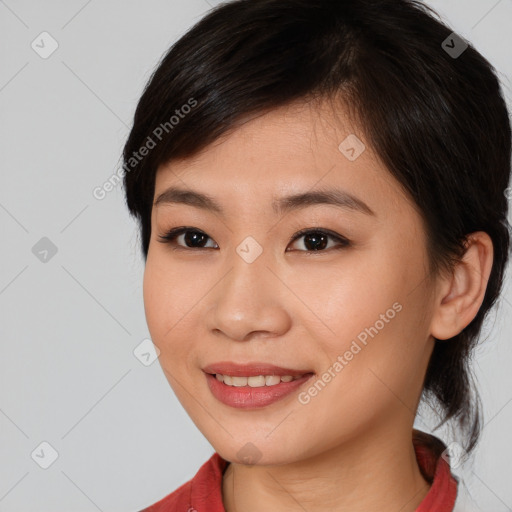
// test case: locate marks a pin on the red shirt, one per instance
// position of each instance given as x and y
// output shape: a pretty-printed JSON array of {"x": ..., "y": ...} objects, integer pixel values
[{"x": 204, "y": 492}]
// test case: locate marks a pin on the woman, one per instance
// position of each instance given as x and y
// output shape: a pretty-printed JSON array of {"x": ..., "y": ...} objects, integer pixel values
[{"x": 320, "y": 186}]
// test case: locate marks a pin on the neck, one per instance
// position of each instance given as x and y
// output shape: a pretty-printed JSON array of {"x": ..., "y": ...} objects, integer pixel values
[{"x": 369, "y": 473}]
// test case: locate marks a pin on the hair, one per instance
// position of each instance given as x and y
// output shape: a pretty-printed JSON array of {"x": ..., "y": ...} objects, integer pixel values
[{"x": 437, "y": 121}]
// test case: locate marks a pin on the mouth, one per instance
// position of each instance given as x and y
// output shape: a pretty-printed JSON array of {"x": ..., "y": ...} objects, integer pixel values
[{"x": 253, "y": 385}]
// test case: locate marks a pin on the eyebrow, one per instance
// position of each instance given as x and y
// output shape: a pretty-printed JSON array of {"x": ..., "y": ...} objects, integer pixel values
[{"x": 326, "y": 196}]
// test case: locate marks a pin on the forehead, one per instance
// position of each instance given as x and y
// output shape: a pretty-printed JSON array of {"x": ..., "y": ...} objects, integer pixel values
[{"x": 289, "y": 150}]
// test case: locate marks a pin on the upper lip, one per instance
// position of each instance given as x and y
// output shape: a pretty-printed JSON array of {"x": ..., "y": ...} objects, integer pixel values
[{"x": 251, "y": 369}]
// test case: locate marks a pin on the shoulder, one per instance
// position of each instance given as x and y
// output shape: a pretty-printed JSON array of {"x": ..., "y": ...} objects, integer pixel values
[{"x": 205, "y": 488}]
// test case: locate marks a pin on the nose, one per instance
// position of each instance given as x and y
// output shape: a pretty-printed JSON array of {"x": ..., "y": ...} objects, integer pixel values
[{"x": 249, "y": 302}]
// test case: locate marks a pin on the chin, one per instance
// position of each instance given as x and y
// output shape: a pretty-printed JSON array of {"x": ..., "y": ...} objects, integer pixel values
[{"x": 264, "y": 453}]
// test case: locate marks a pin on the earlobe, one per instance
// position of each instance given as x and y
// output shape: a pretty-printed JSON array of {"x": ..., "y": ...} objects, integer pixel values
[{"x": 461, "y": 294}]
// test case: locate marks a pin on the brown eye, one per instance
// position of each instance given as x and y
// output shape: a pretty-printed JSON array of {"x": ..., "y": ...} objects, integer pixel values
[
  {"x": 192, "y": 238},
  {"x": 317, "y": 240}
]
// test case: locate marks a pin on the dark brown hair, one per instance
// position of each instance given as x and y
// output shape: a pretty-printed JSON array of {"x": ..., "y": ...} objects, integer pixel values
[{"x": 436, "y": 119}]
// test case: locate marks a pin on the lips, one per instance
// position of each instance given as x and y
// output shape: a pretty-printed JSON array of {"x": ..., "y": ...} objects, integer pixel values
[
  {"x": 248, "y": 397},
  {"x": 252, "y": 369}
]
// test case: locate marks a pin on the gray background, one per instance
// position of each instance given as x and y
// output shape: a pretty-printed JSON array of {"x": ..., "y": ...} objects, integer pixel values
[{"x": 70, "y": 324}]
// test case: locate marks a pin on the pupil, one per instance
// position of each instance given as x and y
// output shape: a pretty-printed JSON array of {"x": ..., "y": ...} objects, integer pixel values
[
  {"x": 316, "y": 238},
  {"x": 190, "y": 237}
]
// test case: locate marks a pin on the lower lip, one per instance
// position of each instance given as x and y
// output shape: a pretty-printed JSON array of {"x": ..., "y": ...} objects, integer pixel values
[{"x": 245, "y": 397}]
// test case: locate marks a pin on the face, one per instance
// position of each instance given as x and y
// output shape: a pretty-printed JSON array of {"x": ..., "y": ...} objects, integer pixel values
[{"x": 345, "y": 304}]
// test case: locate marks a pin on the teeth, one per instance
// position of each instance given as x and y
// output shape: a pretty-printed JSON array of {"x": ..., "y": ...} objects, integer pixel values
[
  {"x": 272, "y": 380},
  {"x": 255, "y": 381}
]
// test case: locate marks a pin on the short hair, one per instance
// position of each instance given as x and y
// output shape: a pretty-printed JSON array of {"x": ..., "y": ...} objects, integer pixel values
[{"x": 427, "y": 102}]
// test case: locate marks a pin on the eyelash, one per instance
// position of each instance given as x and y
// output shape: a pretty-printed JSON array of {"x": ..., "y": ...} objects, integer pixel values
[{"x": 170, "y": 236}]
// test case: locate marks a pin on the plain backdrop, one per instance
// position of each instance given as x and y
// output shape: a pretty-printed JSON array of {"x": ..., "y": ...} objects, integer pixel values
[{"x": 75, "y": 394}]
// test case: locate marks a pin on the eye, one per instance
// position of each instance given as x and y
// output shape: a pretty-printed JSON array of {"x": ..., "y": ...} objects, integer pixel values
[
  {"x": 191, "y": 236},
  {"x": 315, "y": 240}
]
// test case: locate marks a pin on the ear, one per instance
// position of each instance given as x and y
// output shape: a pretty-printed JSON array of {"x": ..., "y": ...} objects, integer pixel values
[{"x": 460, "y": 295}]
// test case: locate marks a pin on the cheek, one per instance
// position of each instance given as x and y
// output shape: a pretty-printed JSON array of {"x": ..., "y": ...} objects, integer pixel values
[
  {"x": 153, "y": 304},
  {"x": 162, "y": 305},
  {"x": 348, "y": 295},
  {"x": 171, "y": 301},
  {"x": 367, "y": 302}
]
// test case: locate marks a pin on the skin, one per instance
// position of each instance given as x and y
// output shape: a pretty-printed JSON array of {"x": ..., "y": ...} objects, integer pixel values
[{"x": 350, "y": 447}]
